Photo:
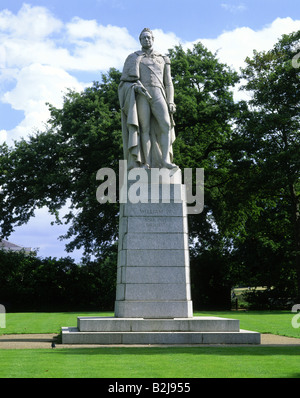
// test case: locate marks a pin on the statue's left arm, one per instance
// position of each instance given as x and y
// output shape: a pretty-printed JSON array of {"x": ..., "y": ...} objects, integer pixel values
[{"x": 169, "y": 85}]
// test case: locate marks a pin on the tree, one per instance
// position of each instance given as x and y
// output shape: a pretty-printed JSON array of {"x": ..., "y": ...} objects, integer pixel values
[
  {"x": 58, "y": 166},
  {"x": 267, "y": 147},
  {"x": 30, "y": 283},
  {"x": 205, "y": 114}
]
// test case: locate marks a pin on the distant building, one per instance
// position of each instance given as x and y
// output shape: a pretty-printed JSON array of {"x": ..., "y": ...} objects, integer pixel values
[{"x": 5, "y": 245}]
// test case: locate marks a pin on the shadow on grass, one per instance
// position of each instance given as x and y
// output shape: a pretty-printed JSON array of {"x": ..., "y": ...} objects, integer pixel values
[{"x": 150, "y": 351}]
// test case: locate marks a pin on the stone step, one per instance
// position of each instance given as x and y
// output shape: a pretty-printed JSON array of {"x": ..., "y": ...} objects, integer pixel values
[
  {"x": 73, "y": 336},
  {"x": 195, "y": 324}
]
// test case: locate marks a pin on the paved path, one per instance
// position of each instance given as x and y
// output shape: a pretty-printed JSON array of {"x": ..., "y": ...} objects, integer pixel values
[{"x": 15, "y": 341}]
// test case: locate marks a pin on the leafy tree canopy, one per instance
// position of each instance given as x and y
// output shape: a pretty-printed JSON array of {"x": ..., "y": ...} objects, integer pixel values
[{"x": 58, "y": 167}]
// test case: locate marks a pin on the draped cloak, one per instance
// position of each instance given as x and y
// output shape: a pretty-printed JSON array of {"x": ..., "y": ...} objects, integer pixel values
[{"x": 132, "y": 149}]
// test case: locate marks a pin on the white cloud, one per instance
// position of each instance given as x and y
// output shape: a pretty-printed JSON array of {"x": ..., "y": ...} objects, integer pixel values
[
  {"x": 40, "y": 63},
  {"x": 38, "y": 81},
  {"x": 30, "y": 22},
  {"x": 234, "y": 46},
  {"x": 97, "y": 47},
  {"x": 36, "y": 85},
  {"x": 29, "y": 36},
  {"x": 80, "y": 28},
  {"x": 21, "y": 52},
  {"x": 3, "y": 136},
  {"x": 234, "y": 8},
  {"x": 164, "y": 41},
  {"x": 40, "y": 54}
]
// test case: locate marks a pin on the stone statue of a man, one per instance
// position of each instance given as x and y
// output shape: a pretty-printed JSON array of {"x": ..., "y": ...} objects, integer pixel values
[{"x": 146, "y": 97}]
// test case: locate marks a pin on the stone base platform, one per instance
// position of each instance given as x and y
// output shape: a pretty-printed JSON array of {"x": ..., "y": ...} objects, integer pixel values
[{"x": 139, "y": 331}]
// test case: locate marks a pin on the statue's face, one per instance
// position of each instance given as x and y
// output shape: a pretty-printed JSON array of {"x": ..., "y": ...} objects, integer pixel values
[{"x": 146, "y": 40}]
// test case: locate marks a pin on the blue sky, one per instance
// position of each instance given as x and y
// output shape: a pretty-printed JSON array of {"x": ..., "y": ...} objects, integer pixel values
[
  {"x": 188, "y": 18},
  {"x": 47, "y": 46}
]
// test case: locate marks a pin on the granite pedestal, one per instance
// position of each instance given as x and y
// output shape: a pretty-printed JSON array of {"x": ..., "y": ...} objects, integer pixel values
[
  {"x": 153, "y": 295},
  {"x": 153, "y": 265}
]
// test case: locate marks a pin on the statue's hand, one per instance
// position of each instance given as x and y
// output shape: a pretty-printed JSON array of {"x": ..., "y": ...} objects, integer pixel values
[
  {"x": 172, "y": 107},
  {"x": 139, "y": 89}
]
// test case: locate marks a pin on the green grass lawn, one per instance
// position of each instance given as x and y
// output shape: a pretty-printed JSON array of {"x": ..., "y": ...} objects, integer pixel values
[
  {"x": 43, "y": 322},
  {"x": 151, "y": 362},
  {"x": 275, "y": 322}
]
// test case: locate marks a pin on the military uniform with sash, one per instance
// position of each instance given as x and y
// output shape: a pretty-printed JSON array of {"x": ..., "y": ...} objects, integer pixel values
[{"x": 146, "y": 114}]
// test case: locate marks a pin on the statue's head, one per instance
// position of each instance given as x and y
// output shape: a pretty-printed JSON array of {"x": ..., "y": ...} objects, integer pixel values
[{"x": 146, "y": 32}]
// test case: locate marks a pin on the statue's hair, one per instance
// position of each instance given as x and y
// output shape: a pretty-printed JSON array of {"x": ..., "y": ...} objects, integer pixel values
[{"x": 146, "y": 30}]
